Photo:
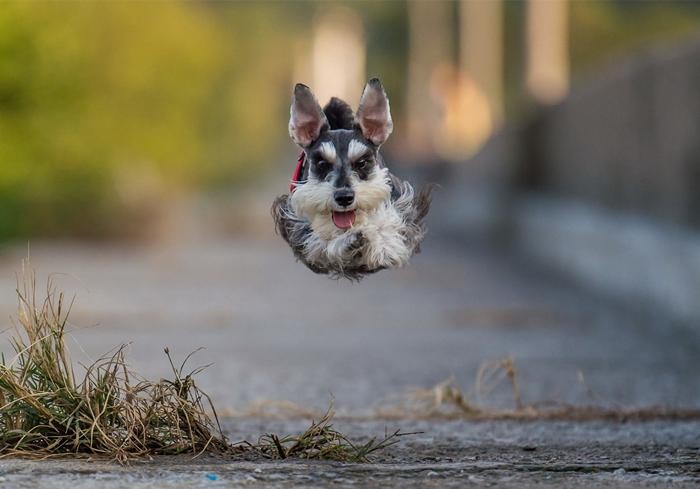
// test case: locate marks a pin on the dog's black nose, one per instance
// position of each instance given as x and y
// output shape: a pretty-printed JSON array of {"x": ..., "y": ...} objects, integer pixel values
[{"x": 344, "y": 197}]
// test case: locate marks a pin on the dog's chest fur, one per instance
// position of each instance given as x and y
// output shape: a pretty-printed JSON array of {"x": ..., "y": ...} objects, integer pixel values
[
  {"x": 382, "y": 237},
  {"x": 381, "y": 233}
]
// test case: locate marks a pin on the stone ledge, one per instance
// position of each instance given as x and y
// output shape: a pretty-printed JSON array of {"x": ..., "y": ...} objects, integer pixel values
[{"x": 622, "y": 255}]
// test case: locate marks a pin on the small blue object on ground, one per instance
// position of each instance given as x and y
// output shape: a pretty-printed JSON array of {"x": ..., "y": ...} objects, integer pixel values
[{"x": 212, "y": 477}]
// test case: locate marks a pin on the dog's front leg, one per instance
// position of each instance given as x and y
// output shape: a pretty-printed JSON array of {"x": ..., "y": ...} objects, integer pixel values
[
  {"x": 396, "y": 231},
  {"x": 344, "y": 248},
  {"x": 386, "y": 248}
]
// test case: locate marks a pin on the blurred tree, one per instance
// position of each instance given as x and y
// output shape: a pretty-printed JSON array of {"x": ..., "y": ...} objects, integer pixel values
[
  {"x": 91, "y": 97},
  {"x": 547, "y": 57},
  {"x": 430, "y": 49},
  {"x": 108, "y": 109}
]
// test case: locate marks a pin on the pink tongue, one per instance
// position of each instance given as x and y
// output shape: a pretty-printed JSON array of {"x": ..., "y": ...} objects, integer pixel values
[{"x": 344, "y": 220}]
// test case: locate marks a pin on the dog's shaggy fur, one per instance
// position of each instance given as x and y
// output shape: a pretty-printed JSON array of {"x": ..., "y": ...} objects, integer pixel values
[{"x": 388, "y": 216}]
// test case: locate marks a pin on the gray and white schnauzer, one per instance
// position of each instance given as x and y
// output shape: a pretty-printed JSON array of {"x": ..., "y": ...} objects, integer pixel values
[{"x": 346, "y": 214}]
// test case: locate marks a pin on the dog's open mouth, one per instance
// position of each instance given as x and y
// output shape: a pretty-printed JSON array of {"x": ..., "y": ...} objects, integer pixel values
[{"x": 344, "y": 220}]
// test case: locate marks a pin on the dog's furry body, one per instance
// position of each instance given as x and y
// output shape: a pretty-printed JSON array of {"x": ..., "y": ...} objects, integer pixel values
[{"x": 383, "y": 225}]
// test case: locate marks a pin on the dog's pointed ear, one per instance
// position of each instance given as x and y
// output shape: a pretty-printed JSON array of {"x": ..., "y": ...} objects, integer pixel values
[
  {"x": 306, "y": 120},
  {"x": 374, "y": 115}
]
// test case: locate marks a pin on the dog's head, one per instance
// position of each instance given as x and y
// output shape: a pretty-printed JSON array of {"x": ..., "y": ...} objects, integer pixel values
[{"x": 344, "y": 174}]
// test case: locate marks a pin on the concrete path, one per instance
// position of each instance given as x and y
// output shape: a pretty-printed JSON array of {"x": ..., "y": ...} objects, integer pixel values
[
  {"x": 275, "y": 331},
  {"x": 449, "y": 454}
]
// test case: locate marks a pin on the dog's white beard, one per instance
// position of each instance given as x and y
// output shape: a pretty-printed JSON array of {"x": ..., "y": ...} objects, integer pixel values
[{"x": 382, "y": 236}]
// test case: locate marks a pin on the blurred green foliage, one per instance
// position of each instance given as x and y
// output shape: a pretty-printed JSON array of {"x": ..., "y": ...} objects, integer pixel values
[
  {"x": 108, "y": 107},
  {"x": 602, "y": 30}
]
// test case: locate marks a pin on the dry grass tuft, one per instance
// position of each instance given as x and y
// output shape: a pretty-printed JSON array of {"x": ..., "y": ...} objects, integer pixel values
[
  {"x": 322, "y": 442},
  {"x": 46, "y": 410},
  {"x": 447, "y": 400}
]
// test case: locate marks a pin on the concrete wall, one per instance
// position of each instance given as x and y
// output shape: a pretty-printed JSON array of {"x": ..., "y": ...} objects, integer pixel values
[
  {"x": 628, "y": 140},
  {"x": 603, "y": 188}
]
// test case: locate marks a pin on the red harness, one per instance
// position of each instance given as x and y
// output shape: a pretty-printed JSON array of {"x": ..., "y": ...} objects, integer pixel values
[{"x": 297, "y": 172}]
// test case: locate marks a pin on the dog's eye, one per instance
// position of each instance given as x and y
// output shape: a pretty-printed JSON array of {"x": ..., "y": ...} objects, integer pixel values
[
  {"x": 322, "y": 167},
  {"x": 362, "y": 164}
]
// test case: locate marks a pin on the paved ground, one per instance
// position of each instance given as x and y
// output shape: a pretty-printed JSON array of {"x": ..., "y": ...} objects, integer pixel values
[
  {"x": 449, "y": 454},
  {"x": 276, "y": 331}
]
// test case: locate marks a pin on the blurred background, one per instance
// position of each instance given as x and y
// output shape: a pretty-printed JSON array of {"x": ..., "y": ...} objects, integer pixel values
[
  {"x": 564, "y": 133},
  {"x": 109, "y": 112}
]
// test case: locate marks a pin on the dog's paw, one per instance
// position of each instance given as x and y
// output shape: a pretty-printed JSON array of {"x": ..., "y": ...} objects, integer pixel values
[{"x": 356, "y": 241}]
